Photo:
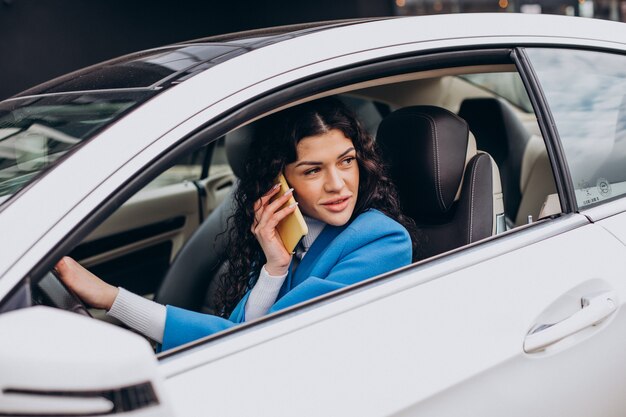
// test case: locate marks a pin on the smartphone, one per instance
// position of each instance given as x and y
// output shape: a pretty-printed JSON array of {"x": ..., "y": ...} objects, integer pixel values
[{"x": 293, "y": 227}]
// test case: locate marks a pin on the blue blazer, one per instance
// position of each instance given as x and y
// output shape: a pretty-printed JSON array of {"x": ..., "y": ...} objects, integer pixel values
[{"x": 370, "y": 245}]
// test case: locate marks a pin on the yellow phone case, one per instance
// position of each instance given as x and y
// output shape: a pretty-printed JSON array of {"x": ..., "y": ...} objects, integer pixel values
[{"x": 293, "y": 227}]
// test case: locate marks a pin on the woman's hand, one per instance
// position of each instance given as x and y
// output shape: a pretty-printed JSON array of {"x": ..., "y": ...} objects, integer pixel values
[
  {"x": 266, "y": 217},
  {"x": 89, "y": 288}
]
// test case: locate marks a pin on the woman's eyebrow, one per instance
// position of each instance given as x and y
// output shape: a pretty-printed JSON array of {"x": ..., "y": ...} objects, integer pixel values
[
  {"x": 307, "y": 163},
  {"x": 344, "y": 153},
  {"x": 347, "y": 151}
]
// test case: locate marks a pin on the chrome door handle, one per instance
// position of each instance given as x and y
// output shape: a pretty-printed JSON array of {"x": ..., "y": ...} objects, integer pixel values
[{"x": 595, "y": 309}]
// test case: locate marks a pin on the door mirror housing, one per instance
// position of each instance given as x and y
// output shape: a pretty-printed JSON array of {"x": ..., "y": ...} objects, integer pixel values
[{"x": 59, "y": 363}]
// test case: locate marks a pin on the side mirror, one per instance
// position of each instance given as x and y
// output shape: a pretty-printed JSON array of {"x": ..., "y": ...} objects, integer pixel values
[{"x": 55, "y": 363}]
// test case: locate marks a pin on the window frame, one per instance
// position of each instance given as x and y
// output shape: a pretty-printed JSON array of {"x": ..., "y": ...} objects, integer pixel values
[{"x": 552, "y": 140}]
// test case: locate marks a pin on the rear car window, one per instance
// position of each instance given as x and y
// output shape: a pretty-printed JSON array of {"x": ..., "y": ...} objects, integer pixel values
[{"x": 589, "y": 109}]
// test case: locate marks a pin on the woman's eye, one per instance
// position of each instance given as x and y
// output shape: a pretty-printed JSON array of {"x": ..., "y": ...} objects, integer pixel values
[
  {"x": 311, "y": 171},
  {"x": 348, "y": 161}
]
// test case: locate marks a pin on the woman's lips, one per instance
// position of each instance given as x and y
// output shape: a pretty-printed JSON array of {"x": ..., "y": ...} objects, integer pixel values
[{"x": 337, "y": 205}]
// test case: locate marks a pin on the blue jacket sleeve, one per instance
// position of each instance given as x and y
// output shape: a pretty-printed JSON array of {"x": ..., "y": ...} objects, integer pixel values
[{"x": 182, "y": 326}]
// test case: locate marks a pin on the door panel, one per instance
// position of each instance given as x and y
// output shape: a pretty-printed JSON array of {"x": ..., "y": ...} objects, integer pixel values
[
  {"x": 134, "y": 246},
  {"x": 615, "y": 224},
  {"x": 216, "y": 186},
  {"x": 451, "y": 345},
  {"x": 581, "y": 381}
]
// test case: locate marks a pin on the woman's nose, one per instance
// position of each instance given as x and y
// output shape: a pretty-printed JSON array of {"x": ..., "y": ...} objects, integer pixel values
[{"x": 334, "y": 181}]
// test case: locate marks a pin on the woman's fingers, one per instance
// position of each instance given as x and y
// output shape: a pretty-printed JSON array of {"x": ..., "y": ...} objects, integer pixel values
[
  {"x": 279, "y": 202},
  {"x": 91, "y": 289},
  {"x": 266, "y": 197},
  {"x": 263, "y": 206},
  {"x": 260, "y": 204},
  {"x": 266, "y": 227},
  {"x": 267, "y": 215},
  {"x": 264, "y": 214},
  {"x": 281, "y": 214},
  {"x": 65, "y": 269},
  {"x": 276, "y": 255}
]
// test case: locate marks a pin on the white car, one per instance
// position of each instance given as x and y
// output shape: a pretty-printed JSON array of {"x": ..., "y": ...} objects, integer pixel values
[{"x": 119, "y": 164}]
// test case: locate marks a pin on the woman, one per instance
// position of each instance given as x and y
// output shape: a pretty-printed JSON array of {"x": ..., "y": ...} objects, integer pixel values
[{"x": 356, "y": 229}]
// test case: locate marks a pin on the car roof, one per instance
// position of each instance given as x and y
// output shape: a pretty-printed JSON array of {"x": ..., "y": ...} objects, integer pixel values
[
  {"x": 158, "y": 68},
  {"x": 285, "y": 31}
]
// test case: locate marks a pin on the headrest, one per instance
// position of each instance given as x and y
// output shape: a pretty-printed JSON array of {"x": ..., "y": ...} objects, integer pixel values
[
  {"x": 237, "y": 144},
  {"x": 499, "y": 132},
  {"x": 426, "y": 148}
]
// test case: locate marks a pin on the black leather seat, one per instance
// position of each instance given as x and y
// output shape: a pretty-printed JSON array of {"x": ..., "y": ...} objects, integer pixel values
[
  {"x": 193, "y": 277},
  {"x": 452, "y": 192},
  {"x": 500, "y": 133}
]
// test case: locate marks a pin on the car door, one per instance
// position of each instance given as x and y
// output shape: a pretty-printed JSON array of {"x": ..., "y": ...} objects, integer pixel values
[
  {"x": 529, "y": 323},
  {"x": 437, "y": 338}
]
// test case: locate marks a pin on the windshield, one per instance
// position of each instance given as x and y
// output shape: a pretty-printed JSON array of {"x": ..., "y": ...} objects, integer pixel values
[
  {"x": 42, "y": 124},
  {"x": 36, "y": 131},
  {"x": 156, "y": 68}
]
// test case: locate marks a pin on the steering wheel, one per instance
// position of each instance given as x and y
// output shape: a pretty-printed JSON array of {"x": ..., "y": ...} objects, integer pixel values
[{"x": 59, "y": 295}]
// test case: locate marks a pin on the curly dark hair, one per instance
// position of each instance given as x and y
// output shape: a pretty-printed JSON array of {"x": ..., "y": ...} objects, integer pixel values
[{"x": 275, "y": 147}]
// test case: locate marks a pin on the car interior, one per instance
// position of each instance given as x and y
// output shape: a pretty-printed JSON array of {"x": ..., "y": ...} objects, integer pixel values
[{"x": 462, "y": 146}]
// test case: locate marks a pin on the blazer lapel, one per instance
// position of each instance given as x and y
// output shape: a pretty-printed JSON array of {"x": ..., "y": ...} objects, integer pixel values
[
  {"x": 313, "y": 254},
  {"x": 284, "y": 289}
]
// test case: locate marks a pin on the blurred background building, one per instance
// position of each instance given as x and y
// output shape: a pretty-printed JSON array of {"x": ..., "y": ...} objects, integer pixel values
[
  {"x": 602, "y": 9},
  {"x": 42, "y": 39}
]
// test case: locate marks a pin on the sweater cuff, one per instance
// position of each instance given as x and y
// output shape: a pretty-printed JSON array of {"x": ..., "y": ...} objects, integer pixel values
[
  {"x": 263, "y": 294},
  {"x": 141, "y": 314}
]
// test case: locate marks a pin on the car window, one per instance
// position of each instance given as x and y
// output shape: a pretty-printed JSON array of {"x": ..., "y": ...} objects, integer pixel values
[
  {"x": 157, "y": 67},
  {"x": 187, "y": 168},
  {"x": 369, "y": 112},
  {"x": 507, "y": 85},
  {"x": 589, "y": 108},
  {"x": 218, "y": 157}
]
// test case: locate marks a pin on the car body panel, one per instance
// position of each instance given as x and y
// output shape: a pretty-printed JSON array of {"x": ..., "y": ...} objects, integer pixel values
[
  {"x": 483, "y": 340},
  {"x": 616, "y": 225}
]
